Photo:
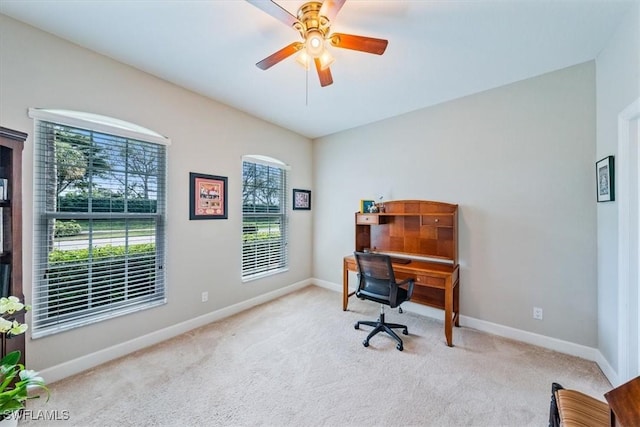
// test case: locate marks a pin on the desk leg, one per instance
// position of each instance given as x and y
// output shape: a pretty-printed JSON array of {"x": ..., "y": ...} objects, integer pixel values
[
  {"x": 448, "y": 311},
  {"x": 456, "y": 302},
  {"x": 345, "y": 286}
]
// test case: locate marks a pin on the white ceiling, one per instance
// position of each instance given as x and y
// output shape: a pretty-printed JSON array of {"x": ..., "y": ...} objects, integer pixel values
[{"x": 438, "y": 50}]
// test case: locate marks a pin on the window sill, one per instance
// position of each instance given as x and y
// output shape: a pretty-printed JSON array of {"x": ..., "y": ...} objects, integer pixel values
[{"x": 258, "y": 276}]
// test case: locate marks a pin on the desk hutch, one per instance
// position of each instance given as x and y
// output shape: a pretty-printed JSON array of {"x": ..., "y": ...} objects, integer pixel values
[{"x": 422, "y": 238}]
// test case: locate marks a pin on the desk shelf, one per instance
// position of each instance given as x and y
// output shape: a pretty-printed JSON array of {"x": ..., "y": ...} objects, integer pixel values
[{"x": 412, "y": 227}]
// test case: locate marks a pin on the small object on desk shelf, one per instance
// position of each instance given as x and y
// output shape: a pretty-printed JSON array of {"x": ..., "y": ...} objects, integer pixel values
[{"x": 365, "y": 206}]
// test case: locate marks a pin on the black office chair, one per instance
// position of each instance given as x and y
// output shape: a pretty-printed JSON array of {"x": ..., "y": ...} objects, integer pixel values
[{"x": 376, "y": 282}]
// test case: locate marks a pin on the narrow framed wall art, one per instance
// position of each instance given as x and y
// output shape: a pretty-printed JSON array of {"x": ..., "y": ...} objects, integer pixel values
[{"x": 606, "y": 183}]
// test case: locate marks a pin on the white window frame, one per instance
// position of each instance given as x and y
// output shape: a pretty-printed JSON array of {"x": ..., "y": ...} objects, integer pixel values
[
  {"x": 44, "y": 321},
  {"x": 282, "y": 244}
]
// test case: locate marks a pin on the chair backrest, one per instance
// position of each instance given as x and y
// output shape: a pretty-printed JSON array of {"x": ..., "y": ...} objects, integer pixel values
[
  {"x": 375, "y": 266},
  {"x": 376, "y": 280}
]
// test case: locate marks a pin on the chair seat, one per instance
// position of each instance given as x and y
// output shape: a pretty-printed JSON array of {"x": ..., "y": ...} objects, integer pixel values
[
  {"x": 580, "y": 410},
  {"x": 380, "y": 298}
]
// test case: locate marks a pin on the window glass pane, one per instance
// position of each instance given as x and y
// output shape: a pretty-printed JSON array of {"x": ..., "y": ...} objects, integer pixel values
[
  {"x": 264, "y": 234},
  {"x": 99, "y": 227},
  {"x": 87, "y": 233}
]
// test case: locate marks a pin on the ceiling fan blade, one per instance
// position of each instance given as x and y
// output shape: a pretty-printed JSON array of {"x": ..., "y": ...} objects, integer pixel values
[
  {"x": 330, "y": 8},
  {"x": 283, "y": 53},
  {"x": 324, "y": 75},
  {"x": 361, "y": 43},
  {"x": 274, "y": 9}
]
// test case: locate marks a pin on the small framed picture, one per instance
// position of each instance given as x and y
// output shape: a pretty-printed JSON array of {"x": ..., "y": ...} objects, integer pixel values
[
  {"x": 208, "y": 196},
  {"x": 301, "y": 200},
  {"x": 606, "y": 185},
  {"x": 367, "y": 206}
]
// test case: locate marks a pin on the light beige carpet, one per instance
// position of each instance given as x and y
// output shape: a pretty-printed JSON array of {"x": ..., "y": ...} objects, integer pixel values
[{"x": 298, "y": 361}]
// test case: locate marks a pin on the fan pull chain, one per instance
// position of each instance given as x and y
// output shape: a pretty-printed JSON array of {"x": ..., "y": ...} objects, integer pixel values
[{"x": 306, "y": 88}]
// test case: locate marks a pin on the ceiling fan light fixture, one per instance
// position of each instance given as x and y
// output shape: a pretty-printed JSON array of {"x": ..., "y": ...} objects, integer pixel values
[
  {"x": 304, "y": 59},
  {"x": 314, "y": 43},
  {"x": 326, "y": 59}
]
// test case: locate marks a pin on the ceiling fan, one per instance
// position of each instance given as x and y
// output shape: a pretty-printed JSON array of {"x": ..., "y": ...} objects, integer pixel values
[{"x": 313, "y": 22}]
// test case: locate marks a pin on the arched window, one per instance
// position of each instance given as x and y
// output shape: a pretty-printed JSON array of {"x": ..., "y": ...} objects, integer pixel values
[
  {"x": 99, "y": 219},
  {"x": 264, "y": 217}
]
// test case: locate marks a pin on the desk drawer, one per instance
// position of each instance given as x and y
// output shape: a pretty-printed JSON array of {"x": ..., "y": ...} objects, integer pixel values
[
  {"x": 430, "y": 281},
  {"x": 403, "y": 276},
  {"x": 438, "y": 220},
  {"x": 422, "y": 280},
  {"x": 367, "y": 219}
]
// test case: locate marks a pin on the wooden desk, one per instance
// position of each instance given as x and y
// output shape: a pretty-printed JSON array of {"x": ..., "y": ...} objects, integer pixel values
[
  {"x": 435, "y": 285},
  {"x": 624, "y": 402}
]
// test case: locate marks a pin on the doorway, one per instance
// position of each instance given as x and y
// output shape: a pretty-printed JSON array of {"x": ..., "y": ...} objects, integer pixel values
[{"x": 628, "y": 175}]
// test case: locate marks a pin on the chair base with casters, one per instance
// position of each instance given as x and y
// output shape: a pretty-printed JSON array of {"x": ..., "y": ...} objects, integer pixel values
[{"x": 381, "y": 326}]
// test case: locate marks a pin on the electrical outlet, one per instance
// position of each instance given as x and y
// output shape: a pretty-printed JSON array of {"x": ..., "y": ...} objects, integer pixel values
[
  {"x": 537, "y": 313},
  {"x": 205, "y": 296}
]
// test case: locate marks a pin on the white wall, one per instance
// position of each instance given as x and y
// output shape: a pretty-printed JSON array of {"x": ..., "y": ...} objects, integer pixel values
[
  {"x": 39, "y": 70},
  {"x": 519, "y": 162},
  {"x": 618, "y": 85}
]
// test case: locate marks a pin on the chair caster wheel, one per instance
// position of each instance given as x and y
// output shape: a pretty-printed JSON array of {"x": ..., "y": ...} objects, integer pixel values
[
  {"x": 356, "y": 326},
  {"x": 365, "y": 343},
  {"x": 400, "y": 347},
  {"x": 405, "y": 332}
]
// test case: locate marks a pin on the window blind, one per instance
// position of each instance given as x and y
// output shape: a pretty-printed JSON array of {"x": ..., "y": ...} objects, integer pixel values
[
  {"x": 264, "y": 217},
  {"x": 99, "y": 225}
]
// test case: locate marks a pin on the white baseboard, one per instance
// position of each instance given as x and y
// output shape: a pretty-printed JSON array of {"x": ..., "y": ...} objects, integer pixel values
[
  {"x": 327, "y": 285},
  {"x": 551, "y": 343},
  {"x": 75, "y": 366},
  {"x": 80, "y": 364},
  {"x": 607, "y": 370}
]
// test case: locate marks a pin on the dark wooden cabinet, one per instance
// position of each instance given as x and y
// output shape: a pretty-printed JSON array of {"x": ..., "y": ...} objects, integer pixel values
[{"x": 11, "y": 146}]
